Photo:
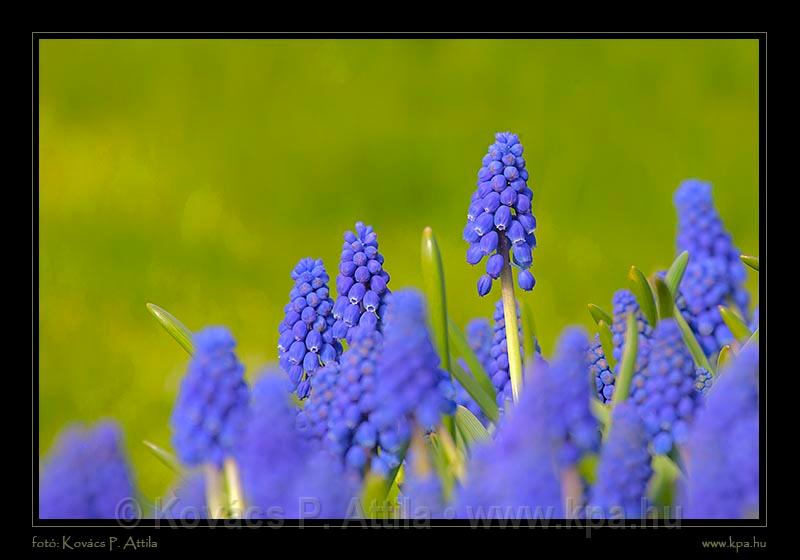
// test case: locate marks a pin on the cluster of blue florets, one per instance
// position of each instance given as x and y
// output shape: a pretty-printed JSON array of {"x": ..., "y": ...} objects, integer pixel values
[
  {"x": 361, "y": 284},
  {"x": 664, "y": 393},
  {"x": 338, "y": 412},
  {"x": 500, "y": 218},
  {"x": 306, "y": 341},
  {"x": 211, "y": 408},
  {"x": 412, "y": 388},
  {"x": 703, "y": 380},
  {"x": 715, "y": 273},
  {"x": 562, "y": 386},
  {"x": 624, "y": 469},
  {"x": 600, "y": 371},
  {"x": 285, "y": 475},
  {"x": 87, "y": 476},
  {"x": 723, "y": 458}
]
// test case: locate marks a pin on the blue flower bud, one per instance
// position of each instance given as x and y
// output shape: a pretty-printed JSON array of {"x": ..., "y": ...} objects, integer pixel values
[
  {"x": 475, "y": 253},
  {"x": 494, "y": 266},
  {"x": 484, "y": 285},
  {"x": 516, "y": 233},
  {"x": 502, "y": 219},
  {"x": 526, "y": 280},
  {"x": 489, "y": 243},
  {"x": 522, "y": 254}
]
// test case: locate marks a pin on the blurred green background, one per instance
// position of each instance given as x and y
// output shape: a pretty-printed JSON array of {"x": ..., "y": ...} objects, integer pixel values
[{"x": 195, "y": 173}]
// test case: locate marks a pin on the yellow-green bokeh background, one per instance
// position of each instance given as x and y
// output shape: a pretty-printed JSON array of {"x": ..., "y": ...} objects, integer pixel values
[{"x": 194, "y": 174}]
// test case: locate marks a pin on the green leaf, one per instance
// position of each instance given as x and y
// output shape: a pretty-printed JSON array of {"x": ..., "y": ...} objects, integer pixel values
[
  {"x": 735, "y": 324},
  {"x": 470, "y": 427},
  {"x": 375, "y": 490},
  {"x": 165, "y": 458},
  {"x": 487, "y": 403},
  {"x": 724, "y": 356},
  {"x": 752, "y": 262},
  {"x": 675, "y": 272},
  {"x": 661, "y": 490},
  {"x": 600, "y": 314},
  {"x": 600, "y": 411},
  {"x": 644, "y": 294},
  {"x": 433, "y": 280},
  {"x": 752, "y": 340},
  {"x": 690, "y": 340},
  {"x": 173, "y": 326},
  {"x": 462, "y": 349},
  {"x": 528, "y": 330},
  {"x": 665, "y": 299},
  {"x": 628, "y": 364},
  {"x": 607, "y": 342}
]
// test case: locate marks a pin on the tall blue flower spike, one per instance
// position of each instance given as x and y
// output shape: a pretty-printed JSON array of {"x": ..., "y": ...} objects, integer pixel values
[
  {"x": 87, "y": 476},
  {"x": 305, "y": 341},
  {"x": 212, "y": 402},
  {"x": 604, "y": 377},
  {"x": 715, "y": 274},
  {"x": 722, "y": 452},
  {"x": 564, "y": 392},
  {"x": 529, "y": 486},
  {"x": 338, "y": 414},
  {"x": 361, "y": 284},
  {"x": 624, "y": 469},
  {"x": 411, "y": 387},
  {"x": 665, "y": 393},
  {"x": 283, "y": 474},
  {"x": 500, "y": 219}
]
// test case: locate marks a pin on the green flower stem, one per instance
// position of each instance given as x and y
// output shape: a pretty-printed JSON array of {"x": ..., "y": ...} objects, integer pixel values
[
  {"x": 214, "y": 492},
  {"x": 628, "y": 363},
  {"x": 236, "y": 504},
  {"x": 512, "y": 326}
]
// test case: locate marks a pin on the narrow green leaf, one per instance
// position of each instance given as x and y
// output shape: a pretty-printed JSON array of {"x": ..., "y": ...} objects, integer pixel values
[
  {"x": 528, "y": 330},
  {"x": 375, "y": 490},
  {"x": 607, "y": 342},
  {"x": 600, "y": 314},
  {"x": 665, "y": 299},
  {"x": 675, "y": 272},
  {"x": 724, "y": 356},
  {"x": 600, "y": 411},
  {"x": 676, "y": 459},
  {"x": 752, "y": 262},
  {"x": 628, "y": 364},
  {"x": 433, "y": 280},
  {"x": 173, "y": 326},
  {"x": 661, "y": 490},
  {"x": 752, "y": 340},
  {"x": 735, "y": 324},
  {"x": 487, "y": 403},
  {"x": 462, "y": 349},
  {"x": 470, "y": 427},
  {"x": 165, "y": 458},
  {"x": 694, "y": 347},
  {"x": 644, "y": 294}
]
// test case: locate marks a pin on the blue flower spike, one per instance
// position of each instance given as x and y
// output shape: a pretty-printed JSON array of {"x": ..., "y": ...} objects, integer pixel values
[
  {"x": 306, "y": 341},
  {"x": 500, "y": 226}
]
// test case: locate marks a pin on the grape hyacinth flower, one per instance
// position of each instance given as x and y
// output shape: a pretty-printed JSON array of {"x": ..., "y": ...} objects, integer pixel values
[
  {"x": 411, "y": 387},
  {"x": 498, "y": 368},
  {"x": 722, "y": 451},
  {"x": 703, "y": 289},
  {"x": 702, "y": 233},
  {"x": 306, "y": 341},
  {"x": 87, "y": 476},
  {"x": 499, "y": 218},
  {"x": 284, "y": 475},
  {"x": 212, "y": 402},
  {"x": 624, "y": 468},
  {"x": 565, "y": 397},
  {"x": 703, "y": 380},
  {"x": 361, "y": 284},
  {"x": 664, "y": 393},
  {"x": 600, "y": 371},
  {"x": 514, "y": 476},
  {"x": 186, "y": 501},
  {"x": 343, "y": 399}
]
